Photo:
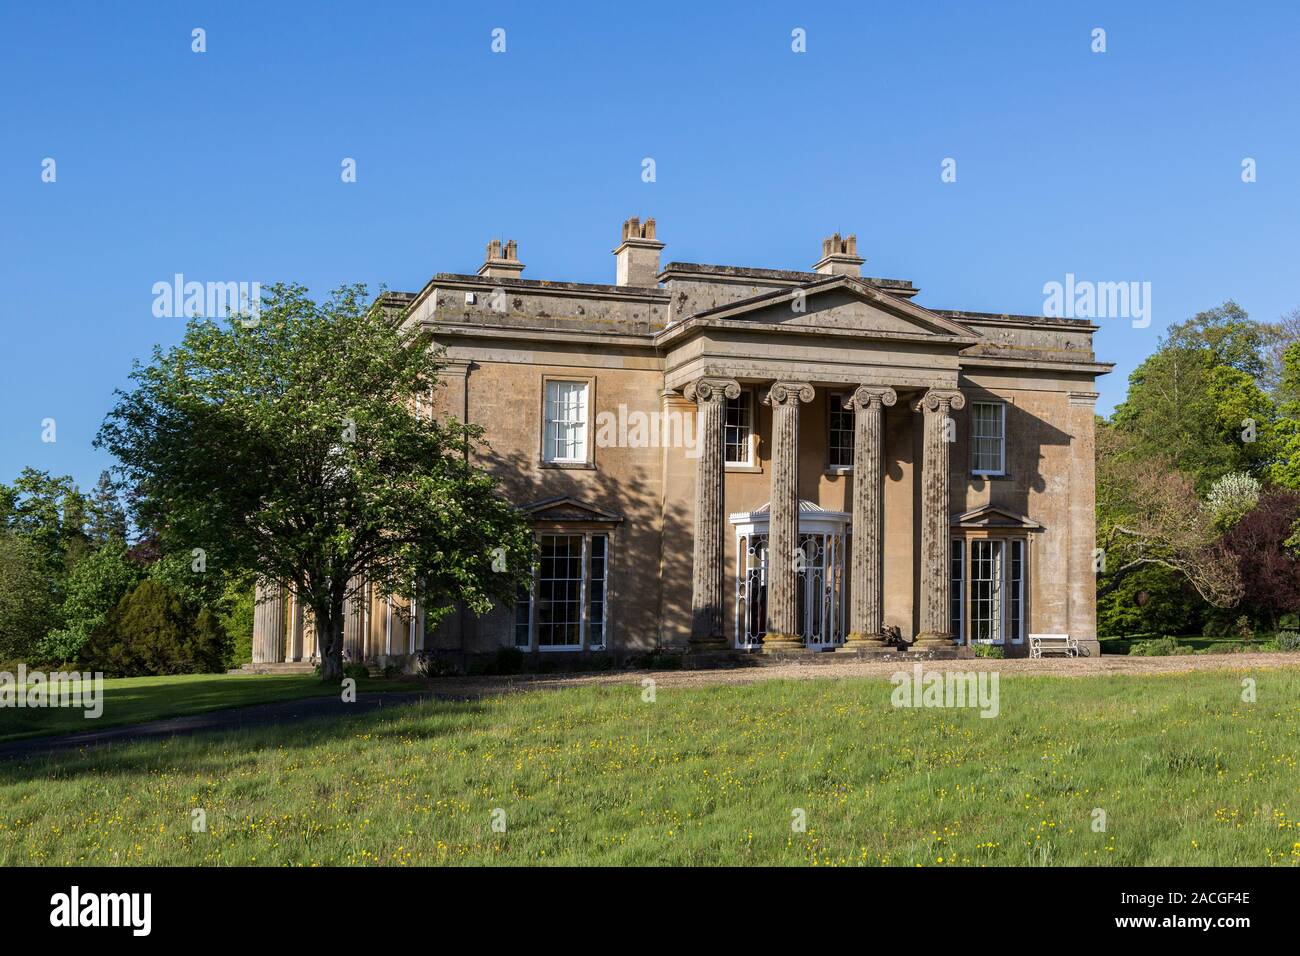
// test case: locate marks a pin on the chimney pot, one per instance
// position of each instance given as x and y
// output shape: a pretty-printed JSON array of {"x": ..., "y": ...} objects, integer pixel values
[
  {"x": 501, "y": 263},
  {"x": 637, "y": 256},
  {"x": 840, "y": 256}
]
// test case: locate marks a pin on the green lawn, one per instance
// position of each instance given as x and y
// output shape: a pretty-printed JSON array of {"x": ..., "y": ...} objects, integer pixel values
[
  {"x": 1185, "y": 771},
  {"x": 131, "y": 700}
]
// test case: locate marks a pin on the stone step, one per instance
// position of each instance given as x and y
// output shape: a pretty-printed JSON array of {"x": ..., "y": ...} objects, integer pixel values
[{"x": 284, "y": 667}]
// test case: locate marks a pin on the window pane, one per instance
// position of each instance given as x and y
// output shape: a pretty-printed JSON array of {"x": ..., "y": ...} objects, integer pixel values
[
  {"x": 958, "y": 586},
  {"x": 986, "y": 591},
  {"x": 737, "y": 427},
  {"x": 559, "y": 605},
  {"x": 1016, "y": 597},
  {"x": 840, "y": 439},
  {"x": 596, "y": 623},
  {"x": 566, "y": 421},
  {"x": 522, "y": 604},
  {"x": 987, "y": 438}
]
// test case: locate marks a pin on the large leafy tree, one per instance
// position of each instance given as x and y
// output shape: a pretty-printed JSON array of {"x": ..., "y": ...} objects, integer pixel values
[
  {"x": 1149, "y": 515},
  {"x": 1286, "y": 469},
  {"x": 301, "y": 446},
  {"x": 1208, "y": 418}
]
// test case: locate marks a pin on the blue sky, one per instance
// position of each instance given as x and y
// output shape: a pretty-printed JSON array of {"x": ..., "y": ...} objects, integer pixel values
[{"x": 225, "y": 165}]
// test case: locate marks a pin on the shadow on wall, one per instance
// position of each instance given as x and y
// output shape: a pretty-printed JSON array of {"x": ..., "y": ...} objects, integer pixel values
[
  {"x": 650, "y": 550},
  {"x": 1027, "y": 436}
]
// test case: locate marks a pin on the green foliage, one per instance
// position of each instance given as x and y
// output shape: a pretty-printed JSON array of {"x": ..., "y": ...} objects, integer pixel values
[
  {"x": 1231, "y": 337},
  {"x": 28, "y": 605},
  {"x": 106, "y": 515},
  {"x": 1287, "y": 641},
  {"x": 989, "y": 650},
  {"x": 51, "y": 514},
  {"x": 1182, "y": 406},
  {"x": 153, "y": 631},
  {"x": 1231, "y": 498},
  {"x": 237, "y": 609},
  {"x": 97, "y": 583},
  {"x": 301, "y": 447},
  {"x": 356, "y": 670},
  {"x": 1161, "y": 647},
  {"x": 1151, "y": 599}
]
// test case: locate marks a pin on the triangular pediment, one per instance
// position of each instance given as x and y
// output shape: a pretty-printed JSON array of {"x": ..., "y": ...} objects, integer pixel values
[
  {"x": 569, "y": 510},
  {"x": 842, "y": 303},
  {"x": 995, "y": 516}
]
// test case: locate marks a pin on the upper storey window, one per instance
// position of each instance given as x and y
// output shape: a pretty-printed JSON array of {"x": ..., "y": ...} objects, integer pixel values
[
  {"x": 566, "y": 417},
  {"x": 839, "y": 440},
  {"x": 738, "y": 426},
  {"x": 988, "y": 438}
]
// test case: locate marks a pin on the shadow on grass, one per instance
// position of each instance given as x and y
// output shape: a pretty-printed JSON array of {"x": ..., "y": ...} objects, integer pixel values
[
  {"x": 216, "y": 753},
  {"x": 136, "y": 700}
]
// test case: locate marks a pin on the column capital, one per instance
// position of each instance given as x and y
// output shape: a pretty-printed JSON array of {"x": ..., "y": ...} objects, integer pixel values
[
  {"x": 941, "y": 399},
  {"x": 789, "y": 393},
  {"x": 711, "y": 389},
  {"x": 865, "y": 396}
]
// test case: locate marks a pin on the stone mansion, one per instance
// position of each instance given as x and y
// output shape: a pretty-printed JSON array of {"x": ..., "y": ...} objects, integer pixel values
[{"x": 720, "y": 457}]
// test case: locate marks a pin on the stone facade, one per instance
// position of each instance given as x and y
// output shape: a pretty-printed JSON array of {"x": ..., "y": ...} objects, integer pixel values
[{"x": 718, "y": 457}]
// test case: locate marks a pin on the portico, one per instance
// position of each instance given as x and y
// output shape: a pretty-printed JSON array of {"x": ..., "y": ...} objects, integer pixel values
[{"x": 785, "y": 556}]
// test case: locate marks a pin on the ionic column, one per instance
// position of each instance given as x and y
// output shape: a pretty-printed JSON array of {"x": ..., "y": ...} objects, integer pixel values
[
  {"x": 865, "y": 614},
  {"x": 710, "y": 396},
  {"x": 268, "y": 625},
  {"x": 783, "y": 630},
  {"x": 936, "y": 582}
]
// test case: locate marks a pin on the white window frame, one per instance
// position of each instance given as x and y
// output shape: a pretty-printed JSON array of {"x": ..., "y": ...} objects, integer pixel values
[
  {"x": 1004, "y": 590},
  {"x": 1002, "y": 439},
  {"x": 584, "y": 599},
  {"x": 746, "y": 400},
  {"x": 550, "y": 434},
  {"x": 834, "y": 406}
]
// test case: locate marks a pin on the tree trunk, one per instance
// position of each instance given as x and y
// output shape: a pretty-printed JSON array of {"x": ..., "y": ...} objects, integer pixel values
[{"x": 331, "y": 654}]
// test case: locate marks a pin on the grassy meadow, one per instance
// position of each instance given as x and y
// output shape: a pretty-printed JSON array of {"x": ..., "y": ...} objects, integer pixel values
[{"x": 1184, "y": 770}]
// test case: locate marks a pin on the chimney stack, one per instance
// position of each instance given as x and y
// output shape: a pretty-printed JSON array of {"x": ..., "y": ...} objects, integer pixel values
[
  {"x": 501, "y": 263},
  {"x": 637, "y": 256},
  {"x": 840, "y": 257}
]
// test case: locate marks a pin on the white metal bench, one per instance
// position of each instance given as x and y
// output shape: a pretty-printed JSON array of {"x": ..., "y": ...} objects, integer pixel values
[{"x": 1041, "y": 643}]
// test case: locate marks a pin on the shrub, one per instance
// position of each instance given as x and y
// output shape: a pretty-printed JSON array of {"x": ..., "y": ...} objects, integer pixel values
[
  {"x": 989, "y": 650},
  {"x": 430, "y": 664},
  {"x": 238, "y": 607},
  {"x": 152, "y": 631},
  {"x": 658, "y": 659},
  {"x": 1288, "y": 641},
  {"x": 1152, "y": 600},
  {"x": 1269, "y": 570},
  {"x": 509, "y": 660},
  {"x": 356, "y": 670},
  {"x": 1231, "y": 498},
  {"x": 1161, "y": 647}
]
